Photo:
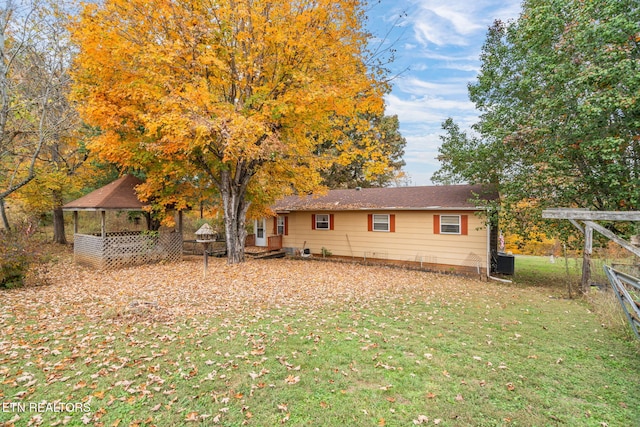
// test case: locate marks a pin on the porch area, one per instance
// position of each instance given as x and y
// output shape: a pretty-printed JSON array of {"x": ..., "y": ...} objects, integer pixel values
[{"x": 272, "y": 250}]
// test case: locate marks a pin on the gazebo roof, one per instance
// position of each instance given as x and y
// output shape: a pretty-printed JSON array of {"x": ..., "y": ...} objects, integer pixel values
[{"x": 118, "y": 195}]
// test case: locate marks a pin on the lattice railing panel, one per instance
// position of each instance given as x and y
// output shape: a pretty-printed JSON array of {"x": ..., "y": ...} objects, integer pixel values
[
  {"x": 172, "y": 244},
  {"x": 125, "y": 249},
  {"x": 88, "y": 250}
]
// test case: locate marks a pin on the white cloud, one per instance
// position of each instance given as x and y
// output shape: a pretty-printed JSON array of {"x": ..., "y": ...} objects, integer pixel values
[
  {"x": 460, "y": 19},
  {"x": 447, "y": 23},
  {"x": 422, "y": 151},
  {"x": 413, "y": 111},
  {"x": 450, "y": 88},
  {"x": 439, "y": 53}
]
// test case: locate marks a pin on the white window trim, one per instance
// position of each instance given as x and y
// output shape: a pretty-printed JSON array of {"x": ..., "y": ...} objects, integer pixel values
[
  {"x": 261, "y": 226},
  {"x": 280, "y": 225},
  {"x": 442, "y": 224},
  {"x": 327, "y": 222},
  {"x": 387, "y": 223}
]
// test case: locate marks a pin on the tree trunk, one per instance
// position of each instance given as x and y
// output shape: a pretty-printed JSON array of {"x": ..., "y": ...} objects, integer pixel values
[
  {"x": 59, "y": 235},
  {"x": 152, "y": 223},
  {"x": 235, "y": 207},
  {"x": 3, "y": 214}
]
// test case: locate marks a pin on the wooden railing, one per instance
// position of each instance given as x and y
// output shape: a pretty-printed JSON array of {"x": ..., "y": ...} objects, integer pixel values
[{"x": 274, "y": 243}]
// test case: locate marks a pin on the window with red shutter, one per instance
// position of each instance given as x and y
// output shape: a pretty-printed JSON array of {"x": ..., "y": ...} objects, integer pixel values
[
  {"x": 281, "y": 226},
  {"x": 322, "y": 221},
  {"x": 381, "y": 222},
  {"x": 450, "y": 224}
]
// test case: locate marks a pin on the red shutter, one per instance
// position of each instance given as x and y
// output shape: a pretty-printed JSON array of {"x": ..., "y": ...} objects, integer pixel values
[
  {"x": 464, "y": 226},
  {"x": 275, "y": 225},
  {"x": 313, "y": 221},
  {"x": 392, "y": 223},
  {"x": 286, "y": 225},
  {"x": 370, "y": 222},
  {"x": 330, "y": 221},
  {"x": 436, "y": 224}
]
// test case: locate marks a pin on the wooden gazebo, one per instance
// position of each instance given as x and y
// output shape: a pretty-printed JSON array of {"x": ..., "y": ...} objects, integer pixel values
[{"x": 120, "y": 248}]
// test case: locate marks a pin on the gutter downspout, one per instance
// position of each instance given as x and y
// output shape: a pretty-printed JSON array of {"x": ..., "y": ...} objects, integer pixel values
[{"x": 488, "y": 249}]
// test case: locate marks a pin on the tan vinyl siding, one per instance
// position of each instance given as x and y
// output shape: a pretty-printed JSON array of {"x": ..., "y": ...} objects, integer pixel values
[{"x": 413, "y": 239}]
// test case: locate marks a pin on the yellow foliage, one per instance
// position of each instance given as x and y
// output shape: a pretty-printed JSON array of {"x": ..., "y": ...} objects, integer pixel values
[{"x": 227, "y": 94}]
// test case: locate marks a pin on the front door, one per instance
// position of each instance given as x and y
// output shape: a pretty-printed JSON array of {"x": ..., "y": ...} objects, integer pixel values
[{"x": 260, "y": 227}]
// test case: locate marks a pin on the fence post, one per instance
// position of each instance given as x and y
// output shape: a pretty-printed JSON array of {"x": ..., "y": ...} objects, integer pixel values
[{"x": 586, "y": 258}]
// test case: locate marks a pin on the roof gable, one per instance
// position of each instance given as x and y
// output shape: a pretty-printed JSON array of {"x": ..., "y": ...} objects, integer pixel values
[
  {"x": 437, "y": 197},
  {"x": 118, "y": 195}
]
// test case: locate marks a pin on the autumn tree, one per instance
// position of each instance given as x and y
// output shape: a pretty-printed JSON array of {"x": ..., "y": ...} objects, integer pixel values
[
  {"x": 235, "y": 93},
  {"x": 559, "y": 94},
  {"x": 358, "y": 170},
  {"x": 37, "y": 121},
  {"x": 61, "y": 165}
]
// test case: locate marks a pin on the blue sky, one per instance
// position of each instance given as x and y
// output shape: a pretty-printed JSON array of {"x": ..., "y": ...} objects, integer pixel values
[{"x": 438, "y": 44}]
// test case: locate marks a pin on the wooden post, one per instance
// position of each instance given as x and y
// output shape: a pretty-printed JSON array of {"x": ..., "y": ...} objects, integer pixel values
[
  {"x": 586, "y": 258},
  {"x": 206, "y": 262},
  {"x": 75, "y": 222},
  {"x": 566, "y": 267},
  {"x": 103, "y": 223}
]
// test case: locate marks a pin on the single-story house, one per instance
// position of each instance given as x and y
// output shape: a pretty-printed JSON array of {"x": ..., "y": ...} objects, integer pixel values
[{"x": 438, "y": 228}]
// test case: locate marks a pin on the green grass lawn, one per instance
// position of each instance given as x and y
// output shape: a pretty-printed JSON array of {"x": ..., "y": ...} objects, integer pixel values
[{"x": 298, "y": 343}]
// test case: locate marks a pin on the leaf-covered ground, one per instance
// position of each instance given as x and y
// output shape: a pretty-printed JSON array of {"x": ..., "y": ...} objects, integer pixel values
[
  {"x": 304, "y": 343},
  {"x": 175, "y": 291}
]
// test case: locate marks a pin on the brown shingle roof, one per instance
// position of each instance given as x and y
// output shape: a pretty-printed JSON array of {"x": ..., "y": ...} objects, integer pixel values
[
  {"x": 436, "y": 197},
  {"x": 118, "y": 195}
]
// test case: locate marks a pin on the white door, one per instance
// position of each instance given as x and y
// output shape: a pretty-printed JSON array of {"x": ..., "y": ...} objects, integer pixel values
[{"x": 260, "y": 228}]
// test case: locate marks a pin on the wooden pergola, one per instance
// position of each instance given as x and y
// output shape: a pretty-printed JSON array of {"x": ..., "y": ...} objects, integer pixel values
[
  {"x": 584, "y": 220},
  {"x": 120, "y": 248}
]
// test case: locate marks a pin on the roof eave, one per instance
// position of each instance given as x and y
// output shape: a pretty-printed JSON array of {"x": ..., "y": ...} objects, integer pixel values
[
  {"x": 97, "y": 209},
  {"x": 382, "y": 208}
]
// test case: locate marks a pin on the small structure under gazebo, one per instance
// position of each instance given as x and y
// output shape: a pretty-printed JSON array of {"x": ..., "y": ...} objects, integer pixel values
[{"x": 112, "y": 249}]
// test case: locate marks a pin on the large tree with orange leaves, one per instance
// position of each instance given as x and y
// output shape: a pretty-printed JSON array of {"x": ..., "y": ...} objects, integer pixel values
[{"x": 234, "y": 95}]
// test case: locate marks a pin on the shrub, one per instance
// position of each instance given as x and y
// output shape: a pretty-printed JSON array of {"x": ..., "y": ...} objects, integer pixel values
[{"x": 15, "y": 256}]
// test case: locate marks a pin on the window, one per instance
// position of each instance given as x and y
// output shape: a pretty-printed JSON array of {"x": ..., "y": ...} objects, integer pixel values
[
  {"x": 450, "y": 224},
  {"x": 260, "y": 229},
  {"x": 380, "y": 222},
  {"x": 281, "y": 227},
  {"x": 322, "y": 222}
]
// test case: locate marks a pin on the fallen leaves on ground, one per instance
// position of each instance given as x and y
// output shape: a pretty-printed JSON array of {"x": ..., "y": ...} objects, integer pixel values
[
  {"x": 163, "y": 292},
  {"x": 148, "y": 308}
]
